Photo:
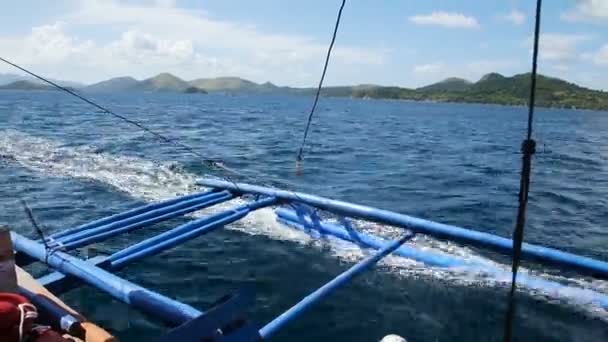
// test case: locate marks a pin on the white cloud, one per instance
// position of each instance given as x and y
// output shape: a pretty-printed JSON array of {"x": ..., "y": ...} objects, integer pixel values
[
  {"x": 515, "y": 17},
  {"x": 559, "y": 48},
  {"x": 600, "y": 57},
  {"x": 429, "y": 69},
  {"x": 51, "y": 42},
  {"x": 165, "y": 3},
  {"x": 446, "y": 19},
  {"x": 175, "y": 23},
  {"x": 45, "y": 44},
  {"x": 588, "y": 10},
  {"x": 154, "y": 36},
  {"x": 140, "y": 47}
]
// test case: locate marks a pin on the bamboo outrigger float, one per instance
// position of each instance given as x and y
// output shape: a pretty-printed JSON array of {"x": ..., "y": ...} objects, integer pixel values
[{"x": 225, "y": 321}]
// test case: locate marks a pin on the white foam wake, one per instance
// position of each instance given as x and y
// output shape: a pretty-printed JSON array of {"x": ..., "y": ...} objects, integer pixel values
[{"x": 153, "y": 181}]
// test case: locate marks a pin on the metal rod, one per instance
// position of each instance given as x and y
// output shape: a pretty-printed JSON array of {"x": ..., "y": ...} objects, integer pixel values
[
  {"x": 295, "y": 311},
  {"x": 105, "y": 232},
  {"x": 184, "y": 232},
  {"x": 555, "y": 289},
  {"x": 291, "y": 218},
  {"x": 58, "y": 283},
  {"x": 141, "y": 217},
  {"x": 127, "y": 214},
  {"x": 166, "y": 309},
  {"x": 159, "y": 247},
  {"x": 533, "y": 252}
]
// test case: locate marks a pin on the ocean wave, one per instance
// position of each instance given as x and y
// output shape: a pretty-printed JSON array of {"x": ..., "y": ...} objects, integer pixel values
[{"x": 154, "y": 181}]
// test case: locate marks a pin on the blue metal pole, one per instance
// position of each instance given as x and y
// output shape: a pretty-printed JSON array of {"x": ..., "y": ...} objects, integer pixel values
[
  {"x": 556, "y": 289},
  {"x": 291, "y": 218},
  {"x": 105, "y": 232},
  {"x": 141, "y": 217},
  {"x": 140, "y": 253},
  {"x": 127, "y": 214},
  {"x": 533, "y": 252},
  {"x": 295, "y": 311},
  {"x": 179, "y": 234},
  {"x": 166, "y": 309}
]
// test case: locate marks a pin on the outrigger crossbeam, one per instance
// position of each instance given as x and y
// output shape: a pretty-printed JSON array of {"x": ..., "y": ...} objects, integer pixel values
[{"x": 225, "y": 321}]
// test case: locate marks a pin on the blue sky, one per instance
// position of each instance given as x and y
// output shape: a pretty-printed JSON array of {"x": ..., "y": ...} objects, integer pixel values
[{"x": 394, "y": 42}]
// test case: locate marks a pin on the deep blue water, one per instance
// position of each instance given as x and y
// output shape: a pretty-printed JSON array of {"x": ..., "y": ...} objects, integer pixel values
[{"x": 453, "y": 163}]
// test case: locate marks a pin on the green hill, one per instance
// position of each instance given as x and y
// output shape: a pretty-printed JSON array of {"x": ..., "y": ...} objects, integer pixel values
[
  {"x": 491, "y": 88},
  {"x": 235, "y": 84},
  {"x": 449, "y": 84},
  {"x": 163, "y": 82},
  {"x": 166, "y": 82},
  {"x": 114, "y": 84},
  {"x": 224, "y": 84},
  {"x": 499, "y": 89}
]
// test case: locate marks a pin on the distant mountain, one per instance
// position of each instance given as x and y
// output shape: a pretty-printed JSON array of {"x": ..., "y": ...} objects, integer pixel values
[
  {"x": 449, "y": 84},
  {"x": 163, "y": 82},
  {"x": 114, "y": 84},
  {"x": 499, "y": 89},
  {"x": 225, "y": 84},
  {"x": 26, "y": 85},
  {"x": 492, "y": 77},
  {"x": 237, "y": 84},
  {"x": 166, "y": 82},
  {"x": 491, "y": 88},
  {"x": 10, "y": 78},
  {"x": 515, "y": 90}
]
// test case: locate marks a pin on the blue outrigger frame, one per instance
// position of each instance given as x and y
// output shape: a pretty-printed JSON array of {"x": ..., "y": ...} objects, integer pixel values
[{"x": 225, "y": 321}]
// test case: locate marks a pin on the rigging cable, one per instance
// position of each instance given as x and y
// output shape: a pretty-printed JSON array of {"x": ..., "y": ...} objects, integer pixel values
[
  {"x": 318, "y": 93},
  {"x": 208, "y": 161},
  {"x": 528, "y": 149},
  {"x": 39, "y": 231},
  {"x": 218, "y": 164}
]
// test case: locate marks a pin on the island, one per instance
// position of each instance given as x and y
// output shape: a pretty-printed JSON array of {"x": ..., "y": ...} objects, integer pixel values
[
  {"x": 492, "y": 88},
  {"x": 495, "y": 88},
  {"x": 194, "y": 90}
]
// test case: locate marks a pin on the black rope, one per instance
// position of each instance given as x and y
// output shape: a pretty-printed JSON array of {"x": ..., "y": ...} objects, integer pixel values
[
  {"x": 528, "y": 148},
  {"x": 208, "y": 161},
  {"x": 314, "y": 104},
  {"x": 32, "y": 220},
  {"x": 37, "y": 228}
]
